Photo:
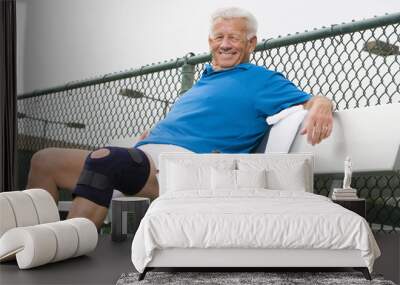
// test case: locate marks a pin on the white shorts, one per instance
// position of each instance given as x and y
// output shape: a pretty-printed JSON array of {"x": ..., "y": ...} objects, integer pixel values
[{"x": 154, "y": 150}]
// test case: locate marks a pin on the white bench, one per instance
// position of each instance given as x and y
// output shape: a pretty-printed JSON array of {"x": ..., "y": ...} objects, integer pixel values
[{"x": 370, "y": 136}]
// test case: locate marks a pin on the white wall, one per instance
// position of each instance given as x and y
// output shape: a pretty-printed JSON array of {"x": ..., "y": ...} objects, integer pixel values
[{"x": 65, "y": 40}]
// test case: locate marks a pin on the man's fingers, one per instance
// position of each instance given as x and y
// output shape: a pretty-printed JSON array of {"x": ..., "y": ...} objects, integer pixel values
[
  {"x": 316, "y": 135},
  {"x": 320, "y": 133},
  {"x": 317, "y": 131},
  {"x": 143, "y": 135},
  {"x": 319, "y": 122},
  {"x": 324, "y": 133},
  {"x": 329, "y": 130},
  {"x": 311, "y": 135},
  {"x": 307, "y": 126}
]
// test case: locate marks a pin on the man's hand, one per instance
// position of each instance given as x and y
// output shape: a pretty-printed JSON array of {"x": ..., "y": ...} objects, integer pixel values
[
  {"x": 143, "y": 135},
  {"x": 319, "y": 122}
]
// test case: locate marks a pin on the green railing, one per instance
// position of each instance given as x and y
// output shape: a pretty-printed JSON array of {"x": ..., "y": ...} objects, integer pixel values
[{"x": 355, "y": 64}]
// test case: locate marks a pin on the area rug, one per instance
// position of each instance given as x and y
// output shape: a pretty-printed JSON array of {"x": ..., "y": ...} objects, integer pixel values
[{"x": 243, "y": 278}]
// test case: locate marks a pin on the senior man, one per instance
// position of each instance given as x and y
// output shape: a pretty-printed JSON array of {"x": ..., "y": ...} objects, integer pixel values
[{"x": 224, "y": 111}]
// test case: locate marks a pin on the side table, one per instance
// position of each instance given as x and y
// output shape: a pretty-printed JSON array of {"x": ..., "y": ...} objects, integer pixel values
[
  {"x": 127, "y": 212},
  {"x": 358, "y": 205}
]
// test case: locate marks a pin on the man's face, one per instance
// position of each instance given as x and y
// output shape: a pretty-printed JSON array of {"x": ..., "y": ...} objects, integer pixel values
[{"x": 229, "y": 44}]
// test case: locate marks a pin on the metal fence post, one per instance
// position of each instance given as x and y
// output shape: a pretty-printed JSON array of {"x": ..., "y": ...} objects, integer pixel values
[{"x": 187, "y": 72}]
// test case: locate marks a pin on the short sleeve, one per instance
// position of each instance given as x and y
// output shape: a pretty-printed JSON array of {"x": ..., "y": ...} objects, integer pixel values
[{"x": 277, "y": 93}]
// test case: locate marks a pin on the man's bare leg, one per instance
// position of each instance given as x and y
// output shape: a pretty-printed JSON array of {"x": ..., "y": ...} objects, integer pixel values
[
  {"x": 56, "y": 167},
  {"x": 82, "y": 207}
]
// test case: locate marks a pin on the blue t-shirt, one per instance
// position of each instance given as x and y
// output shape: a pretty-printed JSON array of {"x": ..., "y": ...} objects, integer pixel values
[{"x": 225, "y": 110}]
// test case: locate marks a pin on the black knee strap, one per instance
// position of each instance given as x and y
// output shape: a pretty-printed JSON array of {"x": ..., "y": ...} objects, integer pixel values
[
  {"x": 124, "y": 169},
  {"x": 93, "y": 179}
]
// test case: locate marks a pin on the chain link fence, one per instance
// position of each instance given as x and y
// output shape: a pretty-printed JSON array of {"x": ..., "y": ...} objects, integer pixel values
[{"x": 355, "y": 65}]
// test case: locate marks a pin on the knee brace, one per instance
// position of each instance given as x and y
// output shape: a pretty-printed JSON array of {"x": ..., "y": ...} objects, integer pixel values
[{"x": 124, "y": 169}]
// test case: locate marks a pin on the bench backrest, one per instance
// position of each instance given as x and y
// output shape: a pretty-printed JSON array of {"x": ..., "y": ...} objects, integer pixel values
[{"x": 370, "y": 136}]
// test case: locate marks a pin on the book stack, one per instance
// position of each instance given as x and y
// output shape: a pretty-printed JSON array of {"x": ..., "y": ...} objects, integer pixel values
[{"x": 344, "y": 194}]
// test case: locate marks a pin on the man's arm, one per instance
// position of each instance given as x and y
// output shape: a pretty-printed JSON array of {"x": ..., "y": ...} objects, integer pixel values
[{"x": 319, "y": 122}]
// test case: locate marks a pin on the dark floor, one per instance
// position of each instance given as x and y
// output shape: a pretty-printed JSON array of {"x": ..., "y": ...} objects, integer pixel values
[
  {"x": 102, "y": 266},
  {"x": 111, "y": 259},
  {"x": 389, "y": 262}
]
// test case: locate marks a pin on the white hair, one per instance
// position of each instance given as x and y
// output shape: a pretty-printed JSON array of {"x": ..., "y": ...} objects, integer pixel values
[{"x": 233, "y": 13}]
